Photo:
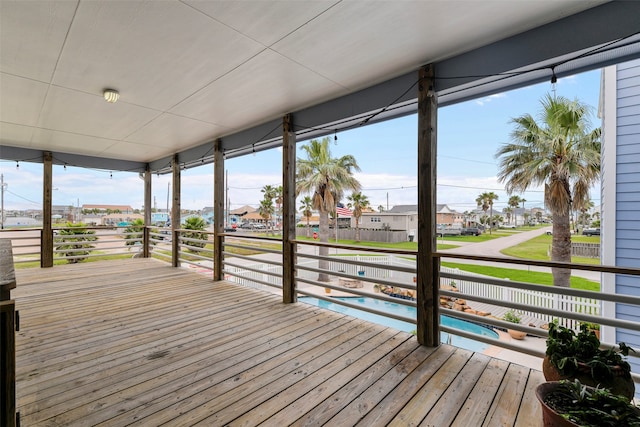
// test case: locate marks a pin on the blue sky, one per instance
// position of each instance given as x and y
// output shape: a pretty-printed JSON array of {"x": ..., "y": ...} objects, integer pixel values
[{"x": 469, "y": 135}]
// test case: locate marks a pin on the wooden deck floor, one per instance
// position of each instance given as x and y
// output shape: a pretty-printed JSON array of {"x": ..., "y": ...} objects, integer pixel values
[{"x": 136, "y": 342}]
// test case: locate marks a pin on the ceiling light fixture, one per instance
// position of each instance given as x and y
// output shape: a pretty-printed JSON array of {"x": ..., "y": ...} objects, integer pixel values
[{"x": 111, "y": 95}]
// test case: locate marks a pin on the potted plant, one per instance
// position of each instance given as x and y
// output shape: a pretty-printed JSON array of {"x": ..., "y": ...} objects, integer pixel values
[
  {"x": 512, "y": 317},
  {"x": 376, "y": 288},
  {"x": 571, "y": 403},
  {"x": 572, "y": 355},
  {"x": 593, "y": 327}
]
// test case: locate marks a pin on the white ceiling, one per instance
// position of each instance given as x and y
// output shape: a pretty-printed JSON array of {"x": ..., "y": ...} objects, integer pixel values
[{"x": 192, "y": 71}]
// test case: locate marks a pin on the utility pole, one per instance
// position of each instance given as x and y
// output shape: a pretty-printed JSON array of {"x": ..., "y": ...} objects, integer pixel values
[
  {"x": 226, "y": 196},
  {"x": 3, "y": 187}
]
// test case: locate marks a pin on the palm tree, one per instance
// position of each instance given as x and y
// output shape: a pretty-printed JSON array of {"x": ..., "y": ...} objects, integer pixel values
[
  {"x": 560, "y": 152},
  {"x": 266, "y": 210},
  {"x": 380, "y": 208},
  {"x": 266, "y": 205},
  {"x": 74, "y": 242},
  {"x": 326, "y": 179},
  {"x": 198, "y": 224},
  {"x": 514, "y": 203},
  {"x": 507, "y": 211},
  {"x": 306, "y": 209},
  {"x": 585, "y": 207},
  {"x": 278, "y": 201},
  {"x": 358, "y": 202},
  {"x": 538, "y": 216},
  {"x": 485, "y": 201}
]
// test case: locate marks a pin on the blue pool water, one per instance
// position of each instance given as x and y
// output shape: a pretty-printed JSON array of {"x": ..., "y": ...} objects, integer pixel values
[{"x": 405, "y": 311}]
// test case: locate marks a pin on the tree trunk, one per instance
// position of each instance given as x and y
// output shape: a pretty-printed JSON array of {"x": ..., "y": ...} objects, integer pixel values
[
  {"x": 323, "y": 250},
  {"x": 357, "y": 230},
  {"x": 561, "y": 248}
]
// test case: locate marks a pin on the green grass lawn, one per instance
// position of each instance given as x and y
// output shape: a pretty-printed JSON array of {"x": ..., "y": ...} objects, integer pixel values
[
  {"x": 539, "y": 249},
  {"x": 523, "y": 275},
  {"x": 382, "y": 245}
]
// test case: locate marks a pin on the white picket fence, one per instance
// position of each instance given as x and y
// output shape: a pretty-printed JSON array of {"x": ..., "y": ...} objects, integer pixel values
[
  {"x": 523, "y": 296},
  {"x": 472, "y": 287}
]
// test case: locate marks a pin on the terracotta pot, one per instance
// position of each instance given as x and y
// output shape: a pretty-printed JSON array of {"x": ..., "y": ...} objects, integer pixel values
[
  {"x": 327, "y": 290},
  {"x": 516, "y": 335},
  {"x": 550, "y": 418},
  {"x": 619, "y": 383}
]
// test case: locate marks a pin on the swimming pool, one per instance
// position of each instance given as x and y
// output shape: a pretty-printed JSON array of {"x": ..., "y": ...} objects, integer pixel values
[{"x": 405, "y": 311}]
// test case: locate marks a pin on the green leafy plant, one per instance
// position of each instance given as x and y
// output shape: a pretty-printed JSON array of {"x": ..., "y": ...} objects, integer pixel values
[
  {"x": 512, "y": 317},
  {"x": 197, "y": 224},
  {"x": 74, "y": 242},
  {"x": 592, "y": 326},
  {"x": 568, "y": 350},
  {"x": 589, "y": 406}
]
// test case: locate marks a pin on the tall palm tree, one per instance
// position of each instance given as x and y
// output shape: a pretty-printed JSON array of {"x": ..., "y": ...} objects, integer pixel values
[
  {"x": 561, "y": 152},
  {"x": 266, "y": 210},
  {"x": 358, "y": 202},
  {"x": 514, "y": 203},
  {"x": 585, "y": 207},
  {"x": 508, "y": 211},
  {"x": 270, "y": 192},
  {"x": 278, "y": 200},
  {"x": 306, "y": 207},
  {"x": 485, "y": 201},
  {"x": 326, "y": 178}
]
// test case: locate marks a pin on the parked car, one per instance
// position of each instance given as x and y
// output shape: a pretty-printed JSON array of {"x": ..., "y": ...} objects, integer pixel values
[
  {"x": 591, "y": 232},
  {"x": 441, "y": 232},
  {"x": 471, "y": 231}
]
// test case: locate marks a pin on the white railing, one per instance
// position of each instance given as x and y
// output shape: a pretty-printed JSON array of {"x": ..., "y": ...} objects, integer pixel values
[{"x": 475, "y": 287}]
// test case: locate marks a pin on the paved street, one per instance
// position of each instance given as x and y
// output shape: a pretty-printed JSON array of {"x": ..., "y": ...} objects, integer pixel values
[{"x": 493, "y": 247}]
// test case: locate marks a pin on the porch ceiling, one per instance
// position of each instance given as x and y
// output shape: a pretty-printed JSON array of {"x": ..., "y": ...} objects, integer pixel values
[{"x": 190, "y": 71}]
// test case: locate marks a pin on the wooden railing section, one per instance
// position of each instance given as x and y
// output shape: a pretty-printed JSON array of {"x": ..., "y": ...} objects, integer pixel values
[{"x": 7, "y": 337}]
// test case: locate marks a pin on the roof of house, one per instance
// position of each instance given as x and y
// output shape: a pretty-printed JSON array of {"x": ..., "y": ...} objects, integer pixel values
[{"x": 242, "y": 210}]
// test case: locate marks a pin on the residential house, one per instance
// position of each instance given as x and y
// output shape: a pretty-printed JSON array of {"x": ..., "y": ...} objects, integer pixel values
[{"x": 620, "y": 192}]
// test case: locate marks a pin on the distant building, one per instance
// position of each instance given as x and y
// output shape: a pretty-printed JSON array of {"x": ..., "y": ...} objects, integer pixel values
[{"x": 125, "y": 209}]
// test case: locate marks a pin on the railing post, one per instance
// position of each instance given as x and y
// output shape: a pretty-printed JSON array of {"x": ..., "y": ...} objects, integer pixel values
[
  {"x": 7, "y": 336},
  {"x": 175, "y": 214},
  {"x": 46, "y": 238},
  {"x": 289, "y": 294},
  {"x": 428, "y": 268},
  {"x": 8, "y": 365},
  {"x": 146, "y": 242},
  {"x": 218, "y": 209}
]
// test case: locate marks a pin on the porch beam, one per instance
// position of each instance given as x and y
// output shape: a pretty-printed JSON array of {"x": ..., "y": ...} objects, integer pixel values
[
  {"x": 428, "y": 327},
  {"x": 289, "y": 294},
  {"x": 147, "y": 213},
  {"x": 175, "y": 212},
  {"x": 46, "y": 247},
  {"x": 218, "y": 209}
]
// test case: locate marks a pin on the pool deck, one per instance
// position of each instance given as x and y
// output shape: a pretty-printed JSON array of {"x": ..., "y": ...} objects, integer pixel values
[
  {"x": 137, "y": 342},
  {"x": 497, "y": 312}
]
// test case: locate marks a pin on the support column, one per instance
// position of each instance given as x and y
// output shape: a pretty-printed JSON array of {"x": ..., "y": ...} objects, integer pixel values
[
  {"x": 218, "y": 209},
  {"x": 428, "y": 267},
  {"x": 146, "y": 242},
  {"x": 175, "y": 213},
  {"x": 289, "y": 294},
  {"x": 46, "y": 242}
]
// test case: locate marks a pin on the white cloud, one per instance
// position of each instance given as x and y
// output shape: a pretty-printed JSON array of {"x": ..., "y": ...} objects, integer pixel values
[{"x": 487, "y": 99}]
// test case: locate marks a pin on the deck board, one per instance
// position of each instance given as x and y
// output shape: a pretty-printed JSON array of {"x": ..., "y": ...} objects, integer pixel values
[{"x": 137, "y": 342}]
